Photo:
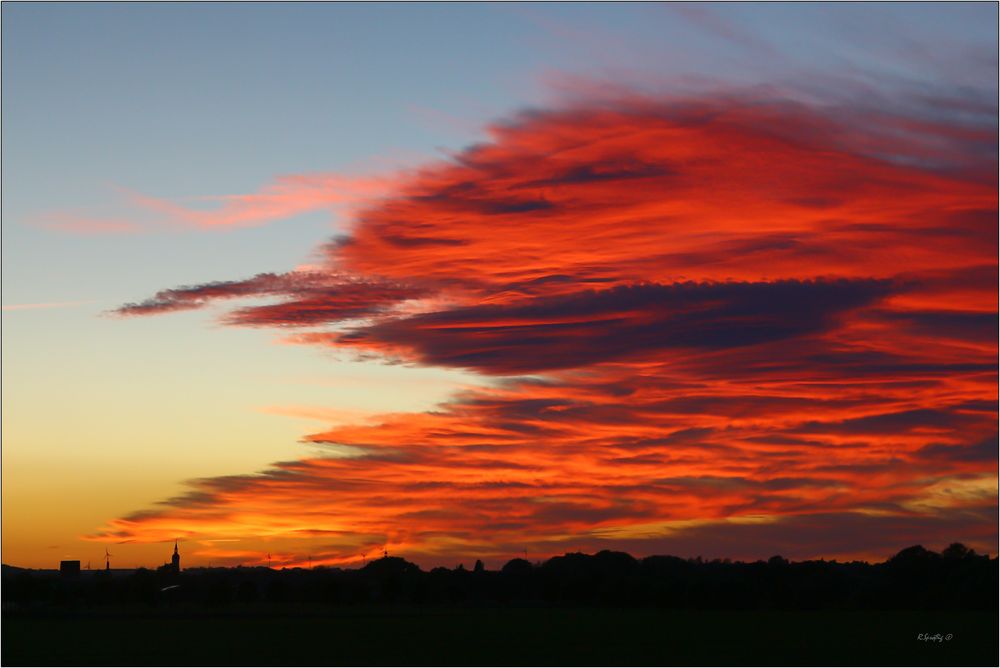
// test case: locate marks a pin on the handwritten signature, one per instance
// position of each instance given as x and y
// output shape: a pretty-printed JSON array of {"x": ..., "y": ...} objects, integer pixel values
[{"x": 934, "y": 637}]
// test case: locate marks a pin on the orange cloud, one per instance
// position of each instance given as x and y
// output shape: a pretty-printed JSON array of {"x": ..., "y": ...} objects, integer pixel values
[
  {"x": 701, "y": 314},
  {"x": 287, "y": 196}
]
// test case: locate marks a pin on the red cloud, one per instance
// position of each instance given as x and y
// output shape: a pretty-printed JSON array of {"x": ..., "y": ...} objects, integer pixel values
[{"x": 736, "y": 314}]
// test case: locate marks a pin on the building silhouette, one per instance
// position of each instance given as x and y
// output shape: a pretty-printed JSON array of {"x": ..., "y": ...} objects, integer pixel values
[{"x": 173, "y": 567}]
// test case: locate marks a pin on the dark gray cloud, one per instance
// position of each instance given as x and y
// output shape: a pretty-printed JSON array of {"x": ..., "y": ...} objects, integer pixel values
[{"x": 620, "y": 323}]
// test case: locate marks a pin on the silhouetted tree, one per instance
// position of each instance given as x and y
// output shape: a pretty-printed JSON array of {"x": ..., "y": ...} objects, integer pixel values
[
  {"x": 957, "y": 551},
  {"x": 516, "y": 566}
]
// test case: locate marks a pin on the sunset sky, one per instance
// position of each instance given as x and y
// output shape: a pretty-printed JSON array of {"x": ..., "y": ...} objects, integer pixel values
[{"x": 465, "y": 281}]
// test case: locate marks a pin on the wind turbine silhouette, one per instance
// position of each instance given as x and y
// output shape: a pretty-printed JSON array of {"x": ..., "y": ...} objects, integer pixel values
[{"x": 107, "y": 559}]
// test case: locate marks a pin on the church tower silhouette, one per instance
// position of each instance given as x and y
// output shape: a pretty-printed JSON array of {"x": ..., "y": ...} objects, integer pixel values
[{"x": 175, "y": 561}]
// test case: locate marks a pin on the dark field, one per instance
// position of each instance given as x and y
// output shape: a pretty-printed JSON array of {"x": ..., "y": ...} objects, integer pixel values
[{"x": 507, "y": 636}]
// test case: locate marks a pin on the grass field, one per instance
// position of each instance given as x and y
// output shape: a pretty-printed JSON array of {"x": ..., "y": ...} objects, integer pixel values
[{"x": 536, "y": 636}]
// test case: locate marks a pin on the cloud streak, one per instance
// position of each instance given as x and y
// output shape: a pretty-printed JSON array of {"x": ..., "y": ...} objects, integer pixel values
[
  {"x": 285, "y": 197},
  {"x": 311, "y": 298}
]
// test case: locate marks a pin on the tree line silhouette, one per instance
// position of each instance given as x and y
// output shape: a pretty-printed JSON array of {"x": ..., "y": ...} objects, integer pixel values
[{"x": 915, "y": 578}]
